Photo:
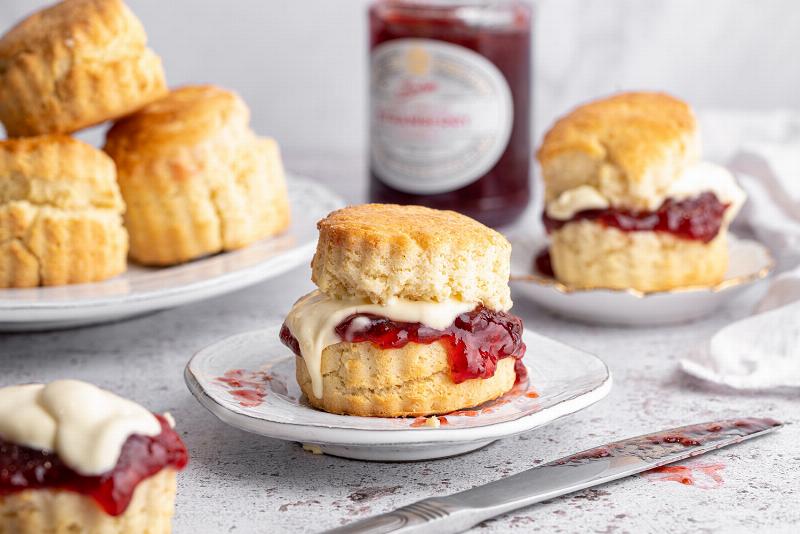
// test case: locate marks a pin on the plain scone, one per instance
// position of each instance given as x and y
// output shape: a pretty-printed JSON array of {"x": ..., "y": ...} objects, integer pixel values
[
  {"x": 60, "y": 213},
  {"x": 73, "y": 65},
  {"x": 385, "y": 251},
  {"x": 44, "y": 511},
  {"x": 195, "y": 177},
  {"x": 630, "y": 148}
]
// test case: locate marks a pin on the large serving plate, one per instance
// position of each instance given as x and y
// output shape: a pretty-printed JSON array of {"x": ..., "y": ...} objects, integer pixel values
[
  {"x": 142, "y": 290},
  {"x": 248, "y": 382},
  {"x": 750, "y": 262}
]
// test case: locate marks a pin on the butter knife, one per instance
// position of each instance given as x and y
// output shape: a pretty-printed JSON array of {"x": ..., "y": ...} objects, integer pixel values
[{"x": 461, "y": 511}]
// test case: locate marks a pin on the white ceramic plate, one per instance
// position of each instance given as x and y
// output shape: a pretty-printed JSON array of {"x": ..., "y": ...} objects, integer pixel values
[
  {"x": 142, "y": 290},
  {"x": 248, "y": 382},
  {"x": 750, "y": 262}
]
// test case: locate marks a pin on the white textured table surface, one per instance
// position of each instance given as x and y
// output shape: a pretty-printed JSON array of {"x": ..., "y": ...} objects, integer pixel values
[{"x": 238, "y": 482}]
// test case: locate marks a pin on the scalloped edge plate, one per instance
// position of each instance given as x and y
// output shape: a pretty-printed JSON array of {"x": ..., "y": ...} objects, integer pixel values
[
  {"x": 750, "y": 262},
  {"x": 247, "y": 381}
]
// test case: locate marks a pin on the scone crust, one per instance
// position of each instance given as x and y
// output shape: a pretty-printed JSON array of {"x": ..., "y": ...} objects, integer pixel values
[
  {"x": 630, "y": 147},
  {"x": 60, "y": 213},
  {"x": 384, "y": 251},
  {"x": 361, "y": 379},
  {"x": 57, "y": 512},
  {"x": 195, "y": 178},
  {"x": 73, "y": 65},
  {"x": 587, "y": 255}
]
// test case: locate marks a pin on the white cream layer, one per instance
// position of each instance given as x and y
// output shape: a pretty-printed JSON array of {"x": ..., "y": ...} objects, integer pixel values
[
  {"x": 313, "y": 319},
  {"x": 85, "y": 425},
  {"x": 696, "y": 179}
]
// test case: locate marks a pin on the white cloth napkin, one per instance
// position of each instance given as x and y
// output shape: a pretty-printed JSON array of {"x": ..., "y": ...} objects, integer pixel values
[{"x": 763, "y": 351}]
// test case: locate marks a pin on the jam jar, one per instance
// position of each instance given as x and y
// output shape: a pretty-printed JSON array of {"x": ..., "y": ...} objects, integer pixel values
[{"x": 450, "y": 105}]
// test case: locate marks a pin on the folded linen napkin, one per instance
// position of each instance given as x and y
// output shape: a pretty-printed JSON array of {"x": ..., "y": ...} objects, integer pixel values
[{"x": 763, "y": 351}]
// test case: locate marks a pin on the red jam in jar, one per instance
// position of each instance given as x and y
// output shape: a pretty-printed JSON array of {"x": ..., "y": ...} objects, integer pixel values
[
  {"x": 450, "y": 105},
  {"x": 23, "y": 468},
  {"x": 475, "y": 341}
]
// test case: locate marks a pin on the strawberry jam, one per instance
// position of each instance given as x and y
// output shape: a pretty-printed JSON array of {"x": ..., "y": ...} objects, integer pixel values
[
  {"x": 698, "y": 218},
  {"x": 475, "y": 341},
  {"x": 23, "y": 468}
]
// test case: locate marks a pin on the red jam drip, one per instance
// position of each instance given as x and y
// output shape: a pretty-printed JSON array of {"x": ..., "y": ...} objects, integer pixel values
[
  {"x": 475, "y": 341},
  {"x": 23, "y": 468},
  {"x": 543, "y": 263},
  {"x": 698, "y": 218}
]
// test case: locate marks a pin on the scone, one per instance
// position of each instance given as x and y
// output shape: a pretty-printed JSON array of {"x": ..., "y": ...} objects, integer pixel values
[
  {"x": 60, "y": 213},
  {"x": 628, "y": 201},
  {"x": 75, "y": 458},
  {"x": 411, "y": 316},
  {"x": 195, "y": 177},
  {"x": 73, "y": 65}
]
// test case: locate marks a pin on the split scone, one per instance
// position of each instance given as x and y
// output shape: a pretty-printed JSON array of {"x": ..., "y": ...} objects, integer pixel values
[
  {"x": 75, "y": 458},
  {"x": 73, "y": 65},
  {"x": 411, "y": 316},
  {"x": 195, "y": 177},
  {"x": 60, "y": 213},
  {"x": 629, "y": 203}
]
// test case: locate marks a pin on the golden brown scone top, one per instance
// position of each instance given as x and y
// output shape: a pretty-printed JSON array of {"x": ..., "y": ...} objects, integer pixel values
[
  {"x": 186, "y": 116},
  {"x": 58, "y": 171},
  {"x": 402, "y": 225},
  {"x": 382, "y": 251},
  {"x": 90, "y": 29}
]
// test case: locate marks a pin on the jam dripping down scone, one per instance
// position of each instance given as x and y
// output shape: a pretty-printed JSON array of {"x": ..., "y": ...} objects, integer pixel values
[
  {"x": 76, "y": 458},
  {"x": 628, "y": 201},
  {"x": 196, "y": 179},
  {"x": 411, "y": 315},
  {"x": 73, "y": 65}
]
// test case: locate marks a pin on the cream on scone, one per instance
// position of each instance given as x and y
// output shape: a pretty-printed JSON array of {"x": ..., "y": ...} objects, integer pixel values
[
  {"x": 76, "y": 458},
  {"x": 411, "y": 317},
  {"x": 629, "y": 204}
]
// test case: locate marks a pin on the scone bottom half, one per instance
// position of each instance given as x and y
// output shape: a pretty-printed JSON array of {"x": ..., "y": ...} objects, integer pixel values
[
  {"x": 55, "y": 479},
  {"x": 376, "y": 346},
  {"x": 629, "y": 203}
]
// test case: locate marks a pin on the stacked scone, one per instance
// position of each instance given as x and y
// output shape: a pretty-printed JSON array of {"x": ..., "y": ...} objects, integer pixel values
[
  {"x": 195, "y": 178},
  {"x": 411, "y": 315},
  {"x": 629, "y": 202},
  {"x": 75, "y": 458}
]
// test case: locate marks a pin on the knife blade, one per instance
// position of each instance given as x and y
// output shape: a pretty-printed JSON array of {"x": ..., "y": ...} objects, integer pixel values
[{"x": 461, "y": 511}]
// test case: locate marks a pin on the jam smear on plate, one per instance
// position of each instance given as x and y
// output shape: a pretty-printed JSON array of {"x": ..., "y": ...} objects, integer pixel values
[
  {"x": 698, "y": 218},
  {"x": 475, "y": 341},
  {"x": 23, "y": 468}
]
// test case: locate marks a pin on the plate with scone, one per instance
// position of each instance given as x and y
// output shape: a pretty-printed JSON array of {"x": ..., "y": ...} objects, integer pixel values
[
  {"x": 407, "y": 350},
  {"x": 636, "y": 221},
  {"x": 184, "y": 202}
]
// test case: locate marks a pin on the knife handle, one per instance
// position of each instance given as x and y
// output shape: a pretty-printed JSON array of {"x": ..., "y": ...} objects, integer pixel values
[{"x": 429, "y": 516}]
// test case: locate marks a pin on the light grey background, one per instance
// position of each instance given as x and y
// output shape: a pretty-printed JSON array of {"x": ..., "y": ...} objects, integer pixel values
[{"x": 302, "y": 64}]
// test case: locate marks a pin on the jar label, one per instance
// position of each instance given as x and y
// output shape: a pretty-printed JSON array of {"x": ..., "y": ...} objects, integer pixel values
[{"x": 441, "y": 115}]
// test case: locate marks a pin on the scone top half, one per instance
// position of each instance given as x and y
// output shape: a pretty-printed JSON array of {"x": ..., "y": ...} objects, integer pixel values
[
  {"x": 631, "y": 151},
  {"x": 75, "y": 64},
  {"x": 385, "y": 252}
]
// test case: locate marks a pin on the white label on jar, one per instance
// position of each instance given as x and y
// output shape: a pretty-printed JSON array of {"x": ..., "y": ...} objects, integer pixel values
[{"x": 441, "y": 115}]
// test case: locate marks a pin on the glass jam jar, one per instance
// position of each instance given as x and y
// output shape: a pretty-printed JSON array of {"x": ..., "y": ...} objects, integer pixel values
[{"x": 450, "y": 95}]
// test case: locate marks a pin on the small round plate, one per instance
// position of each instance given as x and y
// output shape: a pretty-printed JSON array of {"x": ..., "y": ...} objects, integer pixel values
[
  {"x": 750, "y": 262},
  {"x": 248, "y": 382},
  {"x": 142, "y": 290}
]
